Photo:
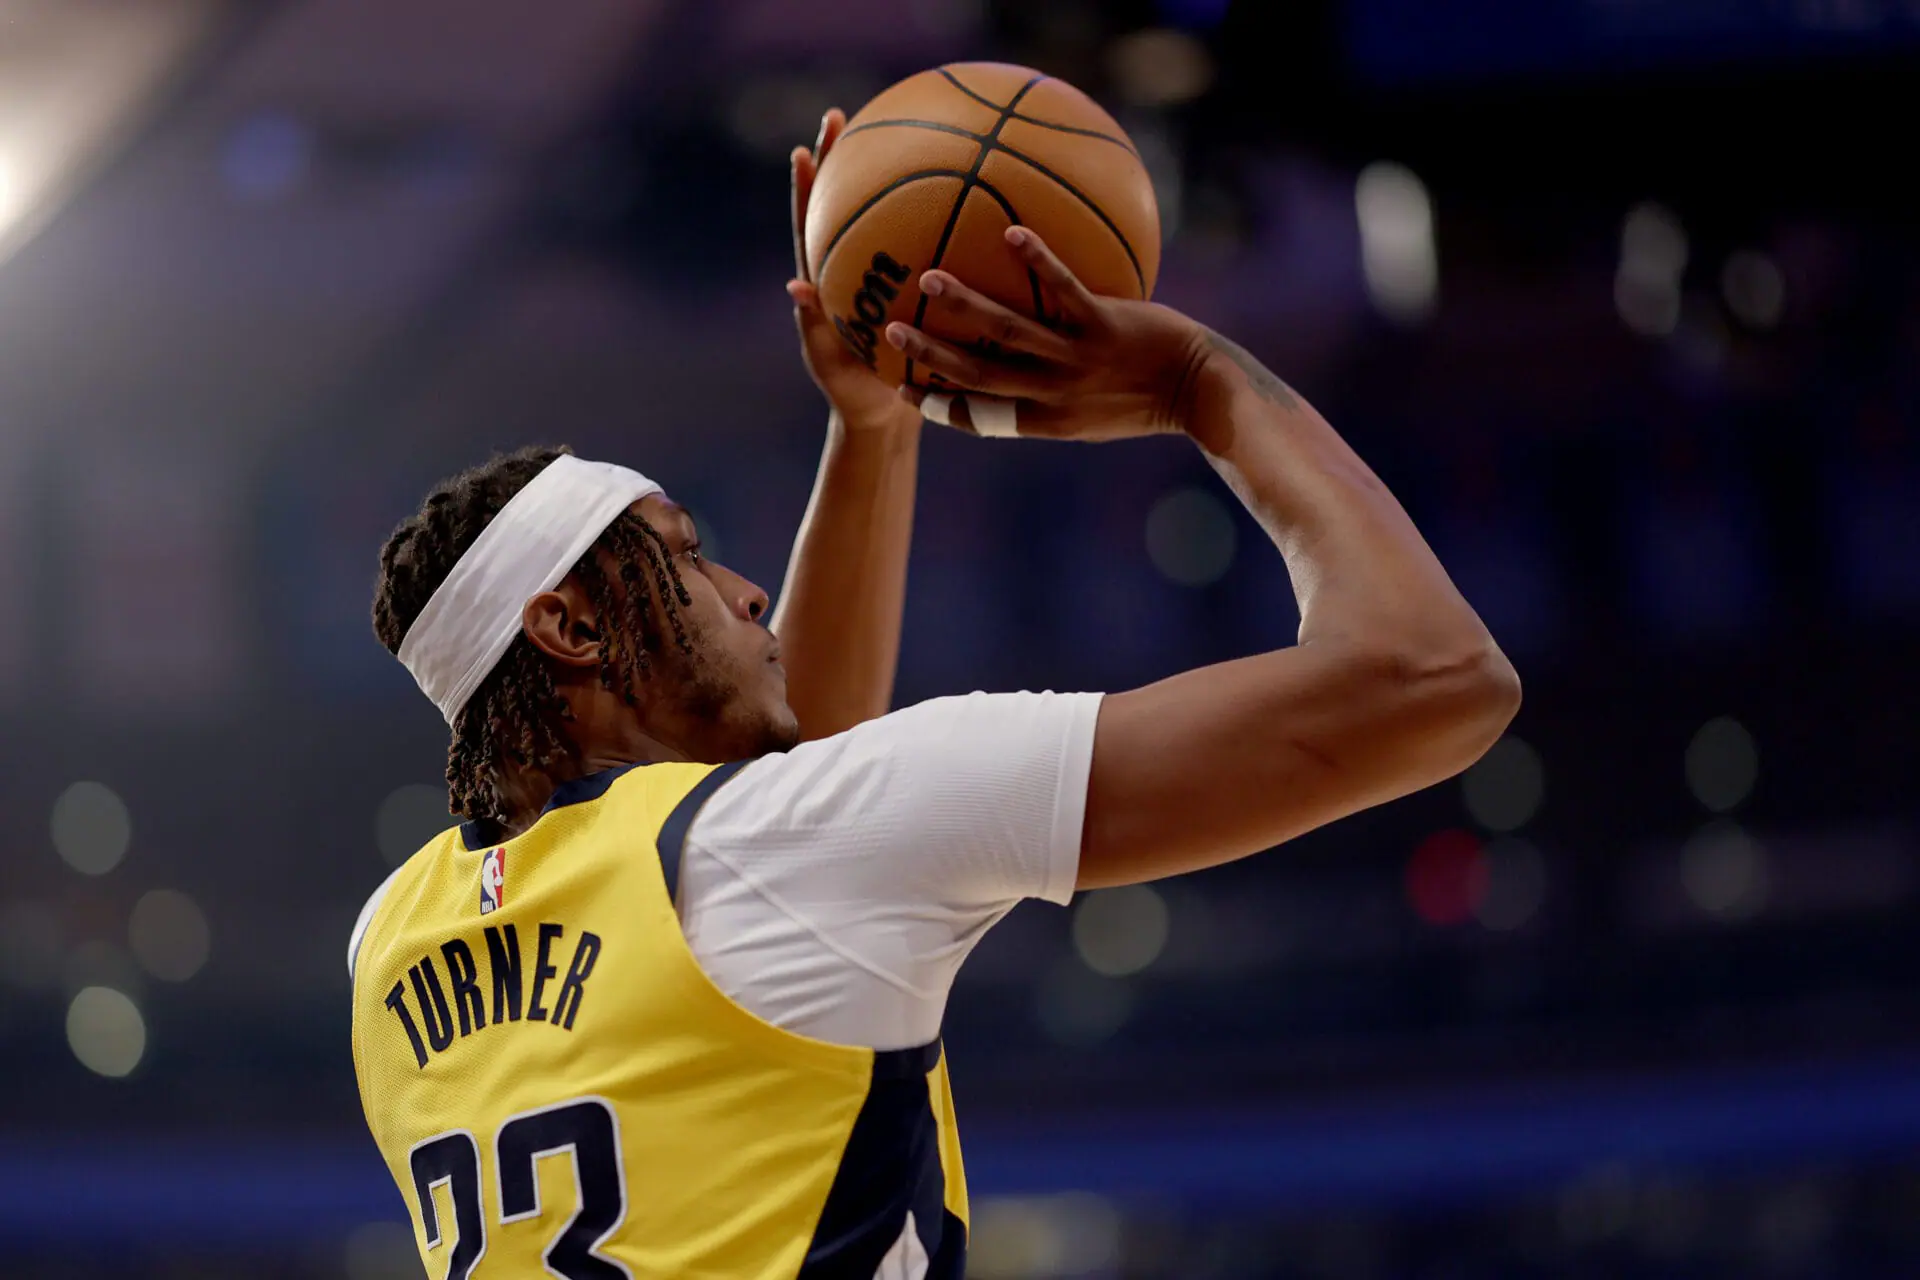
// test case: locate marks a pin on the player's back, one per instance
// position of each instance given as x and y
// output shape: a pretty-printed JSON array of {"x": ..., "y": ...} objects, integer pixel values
[{"x": 555, "y": 1083}]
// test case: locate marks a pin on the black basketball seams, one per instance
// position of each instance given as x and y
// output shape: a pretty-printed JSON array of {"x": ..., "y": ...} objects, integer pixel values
[
  {"x": 960, "y": 201},
  {"x": 992, "y": 143},
  {"x": 1085, "y": 199},
  {"x": 980, "y": 98},
  {"x": 904, "y": 179},
  {"x": 1035, "y": 121},
  {"x": 1006, "y": 206},
  {"x": 939, "y": 126},
  {"x": 989, "y": 143}
]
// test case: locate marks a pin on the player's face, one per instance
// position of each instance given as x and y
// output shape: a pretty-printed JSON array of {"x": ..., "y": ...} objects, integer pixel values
[{"x": 729, "y": 700}]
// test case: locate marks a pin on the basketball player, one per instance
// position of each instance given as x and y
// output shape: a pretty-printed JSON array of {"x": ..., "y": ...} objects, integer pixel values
[{"x": 668, "y": 1004}]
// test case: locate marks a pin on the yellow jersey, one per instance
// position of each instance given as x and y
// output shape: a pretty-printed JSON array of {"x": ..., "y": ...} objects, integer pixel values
[{"x": 558, "y": 1088}]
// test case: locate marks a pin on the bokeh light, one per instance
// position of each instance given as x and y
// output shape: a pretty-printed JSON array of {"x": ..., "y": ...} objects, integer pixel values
[
  {"x": 91, "y": 828},
  {"x": 1516, "y": 885},
  {"x": 1158, "y": 67},
  {"x": 106, "y": 1032},
  {"x": 1653, "y": 260},
  {"x": 1041, "y": 1237},
  {"x": 1397, "y": 251},
  {"x": 1191, "y": 537},
  {"x": 408, "y": 818},
  {"x": 382, "y": 1251},
  {"x": 1653, "y": 244},
  {"x": 1722, "y": 764},
  {"x": 169, "y": 935},
  {"x": 1078, "y": 1007},
  {"x": 1724, "y": 870},
  {"x": 1446, "y": 878},
  {"x": 1120, "y": 931},
  {"x": 1505, "y": 787},
  {"x": 1755, "y": 289}
]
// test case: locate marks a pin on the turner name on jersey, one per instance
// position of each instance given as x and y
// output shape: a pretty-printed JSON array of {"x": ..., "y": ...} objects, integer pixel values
[
  {"x": 754, "y": 1091},
  {"x": 492, "y": 964}
]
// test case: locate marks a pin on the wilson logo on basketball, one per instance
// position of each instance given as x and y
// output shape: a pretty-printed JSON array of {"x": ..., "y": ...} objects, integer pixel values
[{"x": 877, "y": 289}]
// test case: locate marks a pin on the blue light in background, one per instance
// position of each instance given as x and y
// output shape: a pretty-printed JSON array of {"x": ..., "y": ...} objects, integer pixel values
[
  {"x": 1194, "y": 14},
  {"x": 1414, "y": 1150}
]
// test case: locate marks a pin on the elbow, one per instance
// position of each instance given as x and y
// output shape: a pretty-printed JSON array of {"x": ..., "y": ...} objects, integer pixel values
[
  {"x": 1456, "y": 702},
  {"x": 1495, "y": 699}
]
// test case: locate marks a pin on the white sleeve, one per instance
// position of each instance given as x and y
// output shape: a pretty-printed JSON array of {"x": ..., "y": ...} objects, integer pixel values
[
  {"x": 364, "y": 919},
  {"x": 835, "y": 889}
]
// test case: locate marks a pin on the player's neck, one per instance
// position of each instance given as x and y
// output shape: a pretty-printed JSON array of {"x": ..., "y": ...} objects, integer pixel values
[{"x": 526, "y": 792}]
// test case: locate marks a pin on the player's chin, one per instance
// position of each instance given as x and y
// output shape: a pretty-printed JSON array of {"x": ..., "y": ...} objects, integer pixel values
[
  {"x": 752, "y": 728},
  {"x": 764, "y": 722},
  {"x": 782, "y": 725},
  {"x": 783, "y": 731}
]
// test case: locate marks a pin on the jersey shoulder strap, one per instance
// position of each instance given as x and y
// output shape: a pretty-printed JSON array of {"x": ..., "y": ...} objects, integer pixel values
[{"x": 672, "y": 837}]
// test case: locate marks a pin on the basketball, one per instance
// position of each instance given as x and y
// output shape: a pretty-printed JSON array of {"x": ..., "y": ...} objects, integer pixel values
[{"x": 933, "y": 171}]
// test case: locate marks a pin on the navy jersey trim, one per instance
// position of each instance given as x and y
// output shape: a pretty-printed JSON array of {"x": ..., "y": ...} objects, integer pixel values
[
  {"x": 484, "y": 833},
  {"x": 673, "y": 832},
  {"x": 890, "y": 1168}
]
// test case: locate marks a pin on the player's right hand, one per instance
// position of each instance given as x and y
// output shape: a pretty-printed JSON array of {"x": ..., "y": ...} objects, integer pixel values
[
  {"x": 1098, "y": 369},
  {"x": 862, "y": 401}
]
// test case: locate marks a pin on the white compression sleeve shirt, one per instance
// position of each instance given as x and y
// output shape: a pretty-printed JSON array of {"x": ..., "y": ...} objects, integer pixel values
[{"x": 835, "y": 889}]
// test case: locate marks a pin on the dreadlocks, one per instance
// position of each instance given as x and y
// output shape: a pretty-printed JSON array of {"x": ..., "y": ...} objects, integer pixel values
[{"x": 514, "y": 718}]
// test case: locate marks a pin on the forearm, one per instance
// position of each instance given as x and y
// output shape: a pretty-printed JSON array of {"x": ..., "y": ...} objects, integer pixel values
[
  {"x": 1395, "y": 683},
  {"x": 1423, "y": 688},
  {"x": 840, "y": 611},
  {"x": 1361, "y": 571}
]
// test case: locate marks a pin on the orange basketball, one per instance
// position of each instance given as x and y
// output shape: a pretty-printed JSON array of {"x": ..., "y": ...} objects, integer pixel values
[{"x": 933, "y": 171}]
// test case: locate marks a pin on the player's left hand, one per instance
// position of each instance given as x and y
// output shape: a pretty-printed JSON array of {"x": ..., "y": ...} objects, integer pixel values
[
  {"x": 862, "y": 400},
  {"x": 1098, "y": 368}
]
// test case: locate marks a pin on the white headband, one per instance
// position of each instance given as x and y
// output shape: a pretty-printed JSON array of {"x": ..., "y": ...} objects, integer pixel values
[{"x": 527, "y": 548}]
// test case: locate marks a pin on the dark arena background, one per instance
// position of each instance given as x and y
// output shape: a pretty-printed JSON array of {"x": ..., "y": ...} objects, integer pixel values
[{"x": 1621, "y": 296}]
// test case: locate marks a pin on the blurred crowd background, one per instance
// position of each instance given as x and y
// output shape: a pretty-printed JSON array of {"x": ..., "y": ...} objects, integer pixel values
[{"x": 1621, "y": 297}]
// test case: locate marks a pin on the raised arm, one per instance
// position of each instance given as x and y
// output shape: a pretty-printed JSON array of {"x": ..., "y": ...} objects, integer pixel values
[
  {"x": 1395, "y": 684},
  {"x": 840, "y": 608}
]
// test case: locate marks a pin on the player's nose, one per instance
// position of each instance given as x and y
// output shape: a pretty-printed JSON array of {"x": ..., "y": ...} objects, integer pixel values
[{"x": 743, "y": 596}]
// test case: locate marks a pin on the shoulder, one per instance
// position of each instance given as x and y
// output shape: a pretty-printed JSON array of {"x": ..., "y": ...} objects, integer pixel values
[
  {"x": 938, "y": 729},
  {"x": 964, "y": 749},
  {"x": 365, "y": 918},
  {"x": 896, "y": 744}
]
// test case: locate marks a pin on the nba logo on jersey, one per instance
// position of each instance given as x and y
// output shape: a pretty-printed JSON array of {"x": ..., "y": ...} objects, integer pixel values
[{"x": 493, "y": 880}]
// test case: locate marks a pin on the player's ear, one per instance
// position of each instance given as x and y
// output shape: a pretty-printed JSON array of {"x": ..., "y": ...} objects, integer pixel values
[{"x": 561, "y": 624}]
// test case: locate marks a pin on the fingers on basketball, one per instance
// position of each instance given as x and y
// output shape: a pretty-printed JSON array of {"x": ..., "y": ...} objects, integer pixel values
[
  {"x": 805, "y": 166},
  {"x": 1075, "y": 299},
  {"x": 966, "y": 372},
  {"x": 1004, "y": 331},
  {"x": 800, "y": 187},
  {"x": 954, "y": 366},
  {"x": 832, "y": 124}
]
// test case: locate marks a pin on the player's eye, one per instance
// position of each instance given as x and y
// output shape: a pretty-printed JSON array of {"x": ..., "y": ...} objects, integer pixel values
[{"x": 692, "y": 554}]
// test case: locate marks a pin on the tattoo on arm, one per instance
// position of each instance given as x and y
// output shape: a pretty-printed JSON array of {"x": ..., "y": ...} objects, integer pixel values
[{"x": 1259, "y": 377}]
